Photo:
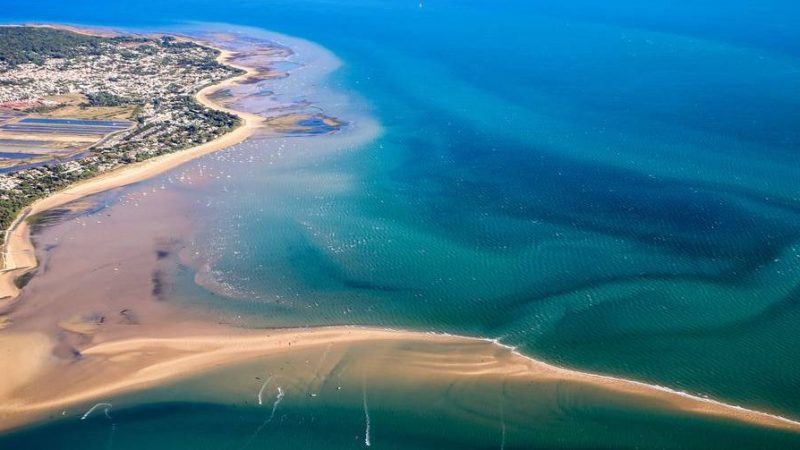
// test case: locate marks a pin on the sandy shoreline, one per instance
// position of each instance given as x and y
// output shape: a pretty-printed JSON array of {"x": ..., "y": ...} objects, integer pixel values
[
  {"x": 18, "y": 251},
  {"x": 131, "y": 364},
  {"x": 114, "y": 360}
]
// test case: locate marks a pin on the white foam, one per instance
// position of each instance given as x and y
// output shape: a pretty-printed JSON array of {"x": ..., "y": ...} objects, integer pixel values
[
  {"x": 278, "y": 399},
  {"x": 261, "y": 391},
  {"x": 266, "y": 421},
  {"x": 513, "y": 350},
  {"x": 367, "y": 424},
  {"x": 106, "y": 410}
]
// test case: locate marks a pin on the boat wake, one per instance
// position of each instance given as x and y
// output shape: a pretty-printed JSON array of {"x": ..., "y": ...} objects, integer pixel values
[
  {"x": 261, "y": 391},
  {"x": 367, "y": 441},
  {"x": 278, "y": 399},
  {"x": 106, "y": 409}
]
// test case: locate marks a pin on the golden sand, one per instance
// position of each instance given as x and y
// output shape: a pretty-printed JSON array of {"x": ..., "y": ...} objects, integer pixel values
[
  {"x": 113, "y": 367},
  {"x": 116, "y": 359},
  {"x": 22, "y": 357}
]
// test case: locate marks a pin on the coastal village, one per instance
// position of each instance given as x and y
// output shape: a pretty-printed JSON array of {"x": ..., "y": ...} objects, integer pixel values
[{"x": 74, "y": 105}]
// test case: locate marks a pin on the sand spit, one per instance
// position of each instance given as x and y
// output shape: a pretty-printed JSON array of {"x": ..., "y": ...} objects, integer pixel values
[
  {"x": 114, "y": 367},
  {"x": 18, "y": 252},
  {"x": 110, "y": 361}
]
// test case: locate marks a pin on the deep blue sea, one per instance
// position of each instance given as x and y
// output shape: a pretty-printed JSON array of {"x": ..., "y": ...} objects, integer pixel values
[{"x": 612, "y": 186}]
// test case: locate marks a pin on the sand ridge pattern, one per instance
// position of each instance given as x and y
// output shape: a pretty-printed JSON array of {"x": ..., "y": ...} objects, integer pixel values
[{"x": 117, "y": 366}]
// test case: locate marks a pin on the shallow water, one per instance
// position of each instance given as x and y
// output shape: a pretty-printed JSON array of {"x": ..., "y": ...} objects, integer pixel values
[
  {"x": 402, "y": 395},
  {"x": 608, "y": 186}
]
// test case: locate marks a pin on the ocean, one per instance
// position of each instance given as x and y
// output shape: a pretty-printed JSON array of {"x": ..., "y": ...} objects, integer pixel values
[{"x": 606, "y": 186}]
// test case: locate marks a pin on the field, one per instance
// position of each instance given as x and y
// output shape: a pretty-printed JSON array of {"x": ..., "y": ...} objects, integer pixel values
[
  {"x": 73, "y": 106},
  {"x": 28, "y": 140}
]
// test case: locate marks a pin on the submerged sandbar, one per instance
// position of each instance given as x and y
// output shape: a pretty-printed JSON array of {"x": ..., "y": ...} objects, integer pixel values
[{"x": 116, "y": 359}]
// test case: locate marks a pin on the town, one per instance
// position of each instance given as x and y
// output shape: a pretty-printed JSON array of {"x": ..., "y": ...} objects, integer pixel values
[{"x": 74, "y": 105}]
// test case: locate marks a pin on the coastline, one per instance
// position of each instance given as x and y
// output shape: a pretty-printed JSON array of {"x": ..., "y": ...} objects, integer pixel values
[
  {"x": 129, "y": 364},
  {"x": 18, "y": 253},
  {"x": 155, "y": 356}
]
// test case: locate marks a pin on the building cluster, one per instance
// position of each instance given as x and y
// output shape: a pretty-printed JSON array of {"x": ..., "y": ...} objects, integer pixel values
[
  {"x": 157, "y": 76},
  {"x": 137, "y": 71}
]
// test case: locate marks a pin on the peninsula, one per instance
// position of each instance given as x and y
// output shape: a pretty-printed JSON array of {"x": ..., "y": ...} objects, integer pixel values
[{"x": 82, "y": 113}]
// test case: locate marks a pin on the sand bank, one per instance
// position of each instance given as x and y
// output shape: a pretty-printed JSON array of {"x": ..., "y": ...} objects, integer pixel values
[
  {"x": 111, "y": 361},
  {"x": 18, "y": 252},
  {"x": 22, "y": 357},
  {"x": 113, "y": 367}
]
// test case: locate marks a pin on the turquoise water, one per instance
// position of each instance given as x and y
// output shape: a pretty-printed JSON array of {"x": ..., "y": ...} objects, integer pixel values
[
  {"x": 611, "y": 186},
  {"x": 211, "y": 426}
]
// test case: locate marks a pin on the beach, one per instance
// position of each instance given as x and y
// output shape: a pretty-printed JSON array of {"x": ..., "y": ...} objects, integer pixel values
[
  {"x": 116, "y": 366},
  {"x": 255, "y": 274},
  {"x": 18, "y": 252}
]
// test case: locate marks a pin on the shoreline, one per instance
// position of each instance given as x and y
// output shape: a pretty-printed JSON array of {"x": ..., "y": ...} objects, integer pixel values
[
  {"x": 131, "y": 364},
  {"x": 18, "y": 253},
  {"x": 120, "y": 363}
]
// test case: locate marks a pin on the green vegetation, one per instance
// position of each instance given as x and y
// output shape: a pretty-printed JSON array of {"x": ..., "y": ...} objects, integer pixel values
[
  {"x": 42, "y": 109},
  {"x": 210, "y": 125},
  {"x": 167, "y": 120},
  {"x": 34, "y": 189},
  {"x": 105, "y": 99},
  {"x": 20, "y": 45}
]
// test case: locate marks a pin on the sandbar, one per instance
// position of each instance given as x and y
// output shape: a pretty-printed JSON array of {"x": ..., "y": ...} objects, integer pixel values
[{"x": 127, "y": 364}]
